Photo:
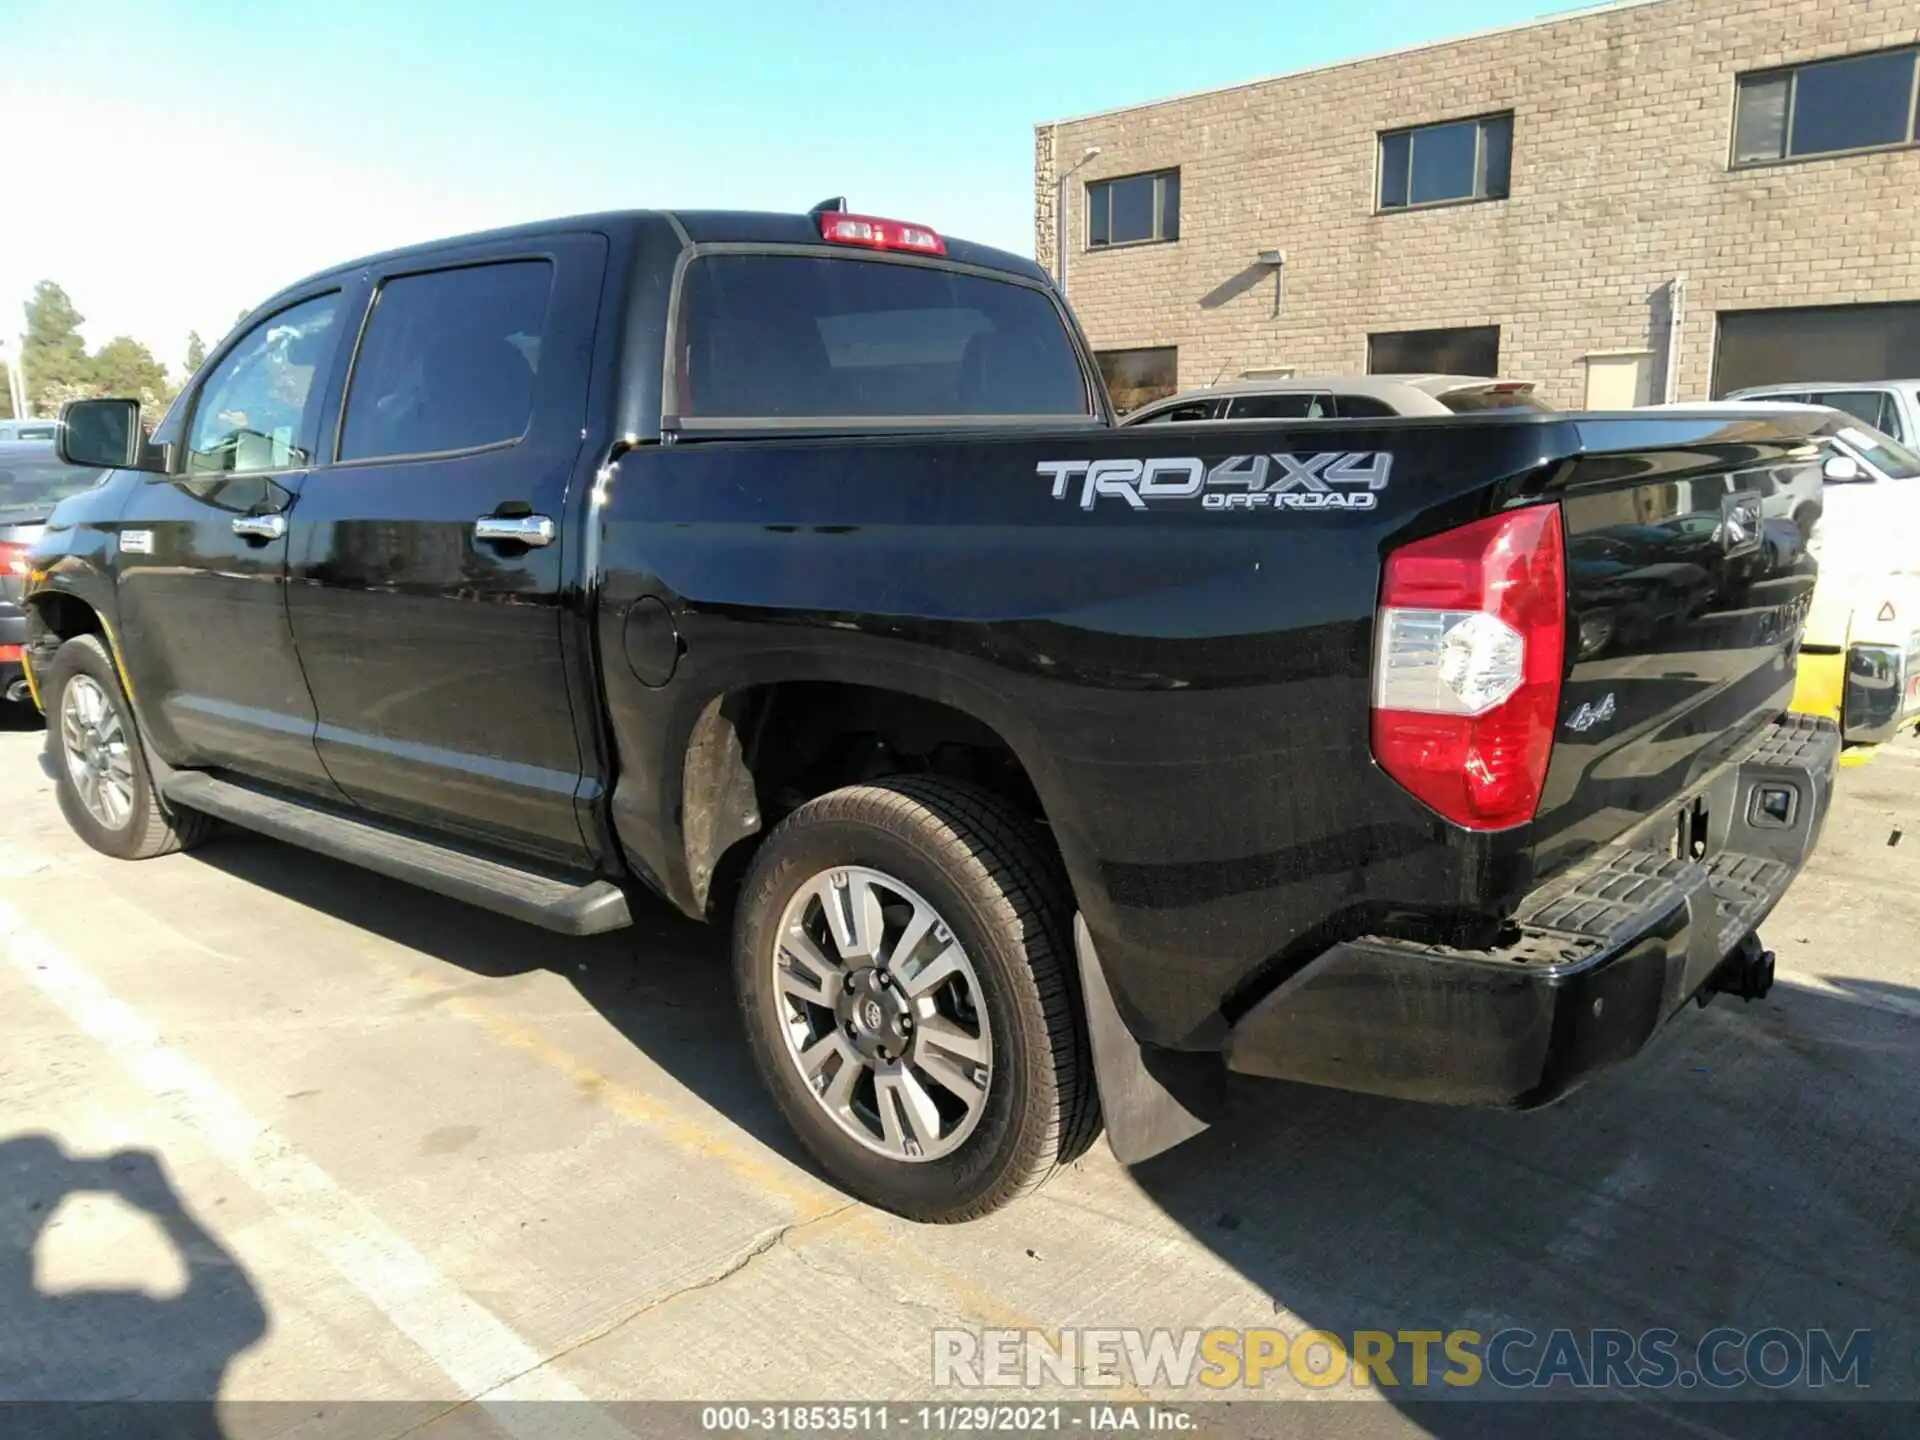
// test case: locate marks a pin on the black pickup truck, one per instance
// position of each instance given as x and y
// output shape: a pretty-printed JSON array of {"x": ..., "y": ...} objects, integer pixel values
[{"x": 792, "y": 567}]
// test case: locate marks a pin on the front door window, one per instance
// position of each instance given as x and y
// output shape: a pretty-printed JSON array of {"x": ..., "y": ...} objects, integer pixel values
[{"x": 258, "y": 409}]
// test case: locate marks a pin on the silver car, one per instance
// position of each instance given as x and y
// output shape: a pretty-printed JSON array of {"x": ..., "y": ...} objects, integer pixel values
[
  {"x": 33, "y": 479},
  {"x": 29, "y": 430},
  {"x": 1342, "y": 397}
]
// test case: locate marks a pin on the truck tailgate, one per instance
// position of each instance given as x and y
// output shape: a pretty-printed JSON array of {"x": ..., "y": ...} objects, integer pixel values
[{"x": 1687, "y": 586}]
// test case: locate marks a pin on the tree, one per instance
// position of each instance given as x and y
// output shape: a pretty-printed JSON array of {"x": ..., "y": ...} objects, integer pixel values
[
  {"x": 125, "y": 367},
  {"x": 196, "y": 351},
  {"x": 6, "y": 395},
  {"x": 54, "y": 354}
]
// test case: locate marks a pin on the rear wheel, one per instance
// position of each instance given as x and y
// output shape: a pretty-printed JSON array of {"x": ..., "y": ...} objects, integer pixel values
[
  {"x": 902, "y": 960},
  {"x": 101, "y": 774}
]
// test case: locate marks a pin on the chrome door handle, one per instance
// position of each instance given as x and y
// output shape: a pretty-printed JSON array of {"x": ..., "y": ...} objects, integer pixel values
[
  {"x": 514, "y": 529},
  {"x": 260, "y": 527}
]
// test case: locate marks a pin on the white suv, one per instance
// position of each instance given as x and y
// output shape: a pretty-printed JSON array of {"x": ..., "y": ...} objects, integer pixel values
[
  {"x": 1341, "y": 397},
  {"x": 1889, "y": 406}
]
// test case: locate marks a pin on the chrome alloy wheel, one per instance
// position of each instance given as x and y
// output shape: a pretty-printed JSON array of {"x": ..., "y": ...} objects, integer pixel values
[
  {"x": 98, "y": 760},
  {"x": 883, "y": 1013}
]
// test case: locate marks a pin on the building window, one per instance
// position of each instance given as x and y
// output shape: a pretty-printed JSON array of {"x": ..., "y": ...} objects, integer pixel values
[
  {"x": 1446, "y": 164},
  {"x": 1860, "y": 102},
  {"x": 1133, "y": 210},
  {"x": 1467, "y": 350},
  {"x": 1139, "y": 377}
]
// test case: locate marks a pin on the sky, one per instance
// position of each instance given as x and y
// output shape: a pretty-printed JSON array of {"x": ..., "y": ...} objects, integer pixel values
[{"x": 190, "y": 157}]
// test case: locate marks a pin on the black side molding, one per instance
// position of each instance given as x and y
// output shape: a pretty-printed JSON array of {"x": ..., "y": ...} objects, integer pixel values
[{"x": 566, "y": 906}]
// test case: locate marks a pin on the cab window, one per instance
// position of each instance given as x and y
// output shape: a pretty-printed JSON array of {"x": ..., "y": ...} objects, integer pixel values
[
  {"x": 449, "y": 361},
  {"x": 259, "y": 407},
  {"x": 1295, "y": 405},
  {"x": 1875, "y": 407},
  {"x": 1198, "y": 410}
]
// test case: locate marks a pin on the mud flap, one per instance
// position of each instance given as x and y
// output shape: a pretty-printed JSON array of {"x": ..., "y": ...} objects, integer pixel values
[{"x": 1144, "y": 1114}]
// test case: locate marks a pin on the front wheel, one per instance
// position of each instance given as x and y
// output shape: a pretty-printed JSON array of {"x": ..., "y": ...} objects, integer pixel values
[
  {"x": 904, "y": 971},
  {"x": 100, "y": 771}
]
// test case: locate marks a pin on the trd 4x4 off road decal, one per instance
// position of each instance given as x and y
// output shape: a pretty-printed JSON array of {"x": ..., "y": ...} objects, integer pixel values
[{"x": 1330, "y": 480}]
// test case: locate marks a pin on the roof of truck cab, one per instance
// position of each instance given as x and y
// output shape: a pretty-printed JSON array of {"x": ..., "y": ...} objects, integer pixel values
[{"x": 702, "y": 227}]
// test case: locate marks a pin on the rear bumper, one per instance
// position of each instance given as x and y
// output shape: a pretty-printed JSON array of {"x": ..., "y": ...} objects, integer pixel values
[{"x": 1600, "y": 957}]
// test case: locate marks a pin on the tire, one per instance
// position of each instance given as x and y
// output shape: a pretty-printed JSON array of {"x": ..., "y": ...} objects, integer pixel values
[
  {"x": 997, "y": 887},
  {"x": 144, "y": 826}
]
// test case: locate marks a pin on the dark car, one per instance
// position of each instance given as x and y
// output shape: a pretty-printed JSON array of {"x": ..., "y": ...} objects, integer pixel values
[
  {"x": 33, "y": 479},
  {"x": 792, "y": 567}
]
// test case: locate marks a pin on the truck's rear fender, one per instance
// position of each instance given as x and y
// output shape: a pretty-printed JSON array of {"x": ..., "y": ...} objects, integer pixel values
[{"x": 1185, "y": 685}]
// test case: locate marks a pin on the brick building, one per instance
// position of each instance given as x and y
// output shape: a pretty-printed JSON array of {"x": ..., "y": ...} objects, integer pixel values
[{"x": 1656, "y": 198}]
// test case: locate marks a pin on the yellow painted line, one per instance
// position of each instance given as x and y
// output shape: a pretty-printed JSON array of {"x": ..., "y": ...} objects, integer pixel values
[
  {"x": 811, "y": 1198},
  {"x": 1856, "y": 755},
  {"x": 821, "y": 1209}
]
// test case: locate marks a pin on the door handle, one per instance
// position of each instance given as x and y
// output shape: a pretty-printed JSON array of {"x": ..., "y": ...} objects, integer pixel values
[
  {"x": 514, "y": 529},
  {"x": 260, "y": 527}
]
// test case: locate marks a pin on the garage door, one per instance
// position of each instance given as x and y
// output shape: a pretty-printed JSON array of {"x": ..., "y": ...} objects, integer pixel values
[{"x": 1836, "y": 342}]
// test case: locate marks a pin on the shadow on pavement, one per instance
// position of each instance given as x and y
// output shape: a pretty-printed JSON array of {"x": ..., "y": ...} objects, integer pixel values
[
  {"x": 664, "y": 983},
  {"x": 139, "y": 1364},
  {"x": 1757, "y": 1168}
]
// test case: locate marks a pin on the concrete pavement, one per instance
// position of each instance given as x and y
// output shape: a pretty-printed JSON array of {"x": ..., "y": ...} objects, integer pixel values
[{"x": 275, "y": 1129}]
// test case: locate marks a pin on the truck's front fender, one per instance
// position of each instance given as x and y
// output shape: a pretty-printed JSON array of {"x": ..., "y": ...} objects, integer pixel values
[{"x": 70, "y": 589}]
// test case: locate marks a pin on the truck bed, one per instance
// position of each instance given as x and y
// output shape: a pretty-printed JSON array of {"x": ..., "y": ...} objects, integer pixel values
[{"x": 1182, "y": 664}]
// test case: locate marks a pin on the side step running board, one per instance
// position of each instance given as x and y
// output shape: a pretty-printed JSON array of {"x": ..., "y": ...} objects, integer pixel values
[{"x": 559, "y": 905}]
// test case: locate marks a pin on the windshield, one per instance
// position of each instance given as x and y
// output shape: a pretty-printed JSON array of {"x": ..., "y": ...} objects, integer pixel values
[
  {"x": 1881, "y": 451},
  {"x": 789, "y": 337},
  {"x": 33, "y": 480},
  {"x": 1491, "y": 397}
]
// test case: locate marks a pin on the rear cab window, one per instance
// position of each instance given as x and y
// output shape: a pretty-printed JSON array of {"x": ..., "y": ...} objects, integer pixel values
[
  {"x": 1198, "y": 410},
  {"x": 1472, "y": 400},
  {"x": 1287, "y": 405},
  {"x": 762, "y": 339}
]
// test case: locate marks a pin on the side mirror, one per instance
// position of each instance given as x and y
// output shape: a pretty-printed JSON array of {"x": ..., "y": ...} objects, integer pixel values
[
  {"x": 104, "y": 435},
  {"x": 1842, "y": 469}
]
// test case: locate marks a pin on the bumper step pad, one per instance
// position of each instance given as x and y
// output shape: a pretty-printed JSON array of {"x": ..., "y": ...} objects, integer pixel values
[{"x": 1596, "y": 961}]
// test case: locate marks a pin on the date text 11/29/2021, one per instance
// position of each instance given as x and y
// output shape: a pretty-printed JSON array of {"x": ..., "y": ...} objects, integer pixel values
[{"x": 1094, "y": 1417}]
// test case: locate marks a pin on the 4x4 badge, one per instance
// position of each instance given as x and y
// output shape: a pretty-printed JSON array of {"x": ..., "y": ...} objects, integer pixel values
[
  {"x": 1328, "y": 480},
  {"x": 1590, "y": 714}
]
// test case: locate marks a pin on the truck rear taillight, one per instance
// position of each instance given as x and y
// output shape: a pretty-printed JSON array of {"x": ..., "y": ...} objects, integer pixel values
[
  {"x": 877, "y": 234},
  {"x": 13, "y": 559},
  {"x": 1469, "y": 643}
]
